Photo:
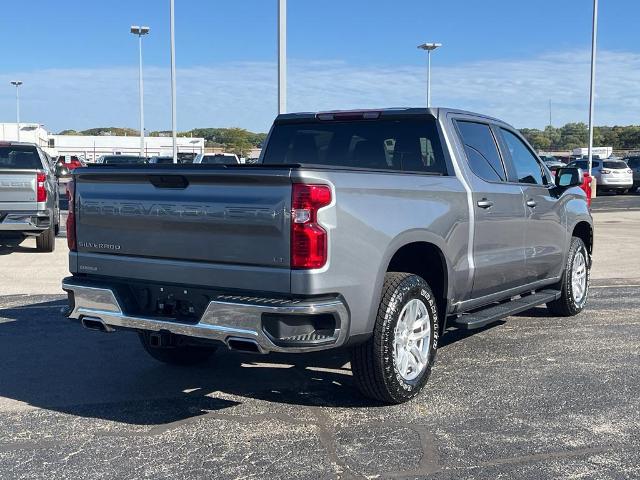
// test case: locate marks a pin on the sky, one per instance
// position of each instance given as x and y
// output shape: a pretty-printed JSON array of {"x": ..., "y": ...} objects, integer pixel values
[{"x": 505, "y": 58}]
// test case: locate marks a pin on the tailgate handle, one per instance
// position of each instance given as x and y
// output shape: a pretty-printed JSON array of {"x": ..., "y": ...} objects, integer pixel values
[{"x": 169, "y": 181}]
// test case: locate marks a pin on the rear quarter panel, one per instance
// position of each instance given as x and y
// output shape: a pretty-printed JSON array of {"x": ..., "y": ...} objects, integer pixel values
[{"x": 372, "y": 215}]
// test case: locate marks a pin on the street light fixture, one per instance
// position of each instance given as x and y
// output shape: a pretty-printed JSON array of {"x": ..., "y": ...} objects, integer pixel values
[
  {"x": 429, "y": 47},
  {"x": 140, "y": 32},
  {"x": 17, "y": 83}
]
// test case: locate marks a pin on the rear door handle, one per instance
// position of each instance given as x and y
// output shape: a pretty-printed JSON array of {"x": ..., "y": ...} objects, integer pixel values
[
  {"x": 531, "y": 203},
  {"x": 484, "y": 203}
]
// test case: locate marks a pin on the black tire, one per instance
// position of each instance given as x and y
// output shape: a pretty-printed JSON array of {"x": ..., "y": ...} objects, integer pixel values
[
  {"x": 46, "y": 241},
  {"x": 567, "y": 305},
  {"x": 57, "y": 227},
  {"x": 182, "y": 355},
  {"x": 621, "y": 192},
  {"x": 372, "y": 362}
]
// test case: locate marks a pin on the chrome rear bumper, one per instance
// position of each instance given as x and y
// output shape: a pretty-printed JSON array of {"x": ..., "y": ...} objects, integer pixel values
[
  {"x": 24, "y": 221},
  {"x": 225, "y": 318}
]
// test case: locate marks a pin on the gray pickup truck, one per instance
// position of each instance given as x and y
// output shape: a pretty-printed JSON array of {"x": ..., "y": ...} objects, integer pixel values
[
  {"x": 374, "y": 231},
  {"x": 28, "y": 194}
]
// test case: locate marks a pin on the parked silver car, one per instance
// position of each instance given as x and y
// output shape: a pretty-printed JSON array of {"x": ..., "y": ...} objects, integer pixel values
[{"x": 611, "y": 175}]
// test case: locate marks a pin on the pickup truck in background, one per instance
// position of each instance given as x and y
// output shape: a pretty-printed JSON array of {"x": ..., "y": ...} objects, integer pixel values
[
  {"x": 374, "y": 231},
  {"x": 28, "y": 194}
]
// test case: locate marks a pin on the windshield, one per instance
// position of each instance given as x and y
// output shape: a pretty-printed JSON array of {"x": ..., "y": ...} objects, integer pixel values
[
  {"x": 584, "y": 165},
  {"x": 163, "y": 160},
  {"x": 20, "y": 156},
  {"x": 615, "y": 164},
  {"x": 218, "y": 159},
  {"x": 407, "y": 144},
  {"x": 122, "y": 160}
]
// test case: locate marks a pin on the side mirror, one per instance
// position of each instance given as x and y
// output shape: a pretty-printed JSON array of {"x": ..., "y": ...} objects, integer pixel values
[{"x": 567, "y": 177}]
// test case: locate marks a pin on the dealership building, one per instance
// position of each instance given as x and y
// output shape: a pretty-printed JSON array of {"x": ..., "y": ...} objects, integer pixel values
[{"x": 92, "y": 147}]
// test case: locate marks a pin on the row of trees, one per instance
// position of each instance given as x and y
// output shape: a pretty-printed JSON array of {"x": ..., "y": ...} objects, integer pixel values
[
  {"x": 567, "y": 137},
  {"x": 234, "y": 140},
  {"x": 574, "y": 135}
]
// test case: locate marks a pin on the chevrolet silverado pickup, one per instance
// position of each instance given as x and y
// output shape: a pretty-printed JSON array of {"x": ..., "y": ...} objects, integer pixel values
[
  {"x": 28, "y": 194},
  {"x": 374, "y": 231}
]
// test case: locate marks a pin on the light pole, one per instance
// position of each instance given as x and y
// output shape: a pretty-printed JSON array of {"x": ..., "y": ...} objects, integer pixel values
[
  {"x": 592, "y": 91},
  {"x": 174, "y": 132},
  {"x": 429, "y": 47},
  {"x": 140, "y": 31},
  {"x": 282, "y": 56},
  {"x": 17, "y": 83}
]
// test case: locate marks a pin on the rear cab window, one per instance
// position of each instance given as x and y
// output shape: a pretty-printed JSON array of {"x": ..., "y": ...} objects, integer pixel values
[
  {"x": 406, "y": 145},
  {"x": 20, "y": 157}
]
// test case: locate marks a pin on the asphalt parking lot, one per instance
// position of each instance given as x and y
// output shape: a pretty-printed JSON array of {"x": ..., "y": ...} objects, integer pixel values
[{"x": 531, "y": 397}]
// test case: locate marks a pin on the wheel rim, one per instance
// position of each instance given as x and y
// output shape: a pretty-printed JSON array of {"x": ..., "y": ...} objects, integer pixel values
[
  {"x": 579, "y": 277},
  {"x": 412, "y": 340}
]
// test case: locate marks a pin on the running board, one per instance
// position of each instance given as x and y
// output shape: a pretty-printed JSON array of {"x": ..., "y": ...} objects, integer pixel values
[{"x": 499, "y": 311}]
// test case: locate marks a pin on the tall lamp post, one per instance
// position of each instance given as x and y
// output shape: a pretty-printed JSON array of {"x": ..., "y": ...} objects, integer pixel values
[
  {"x": 429, "y": 47},
  {"x": 282, "y": 56},
  {"x": 174, "y": 132},
  {"x": 592, "y": 91},
  {"x": 140, "y": 32},
  {"x": 17, "y": 83}
]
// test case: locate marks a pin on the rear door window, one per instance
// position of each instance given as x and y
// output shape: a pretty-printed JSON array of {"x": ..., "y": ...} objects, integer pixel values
[
  {"x": 482, "y": 151},
  {"x": 401, "y": 145}
]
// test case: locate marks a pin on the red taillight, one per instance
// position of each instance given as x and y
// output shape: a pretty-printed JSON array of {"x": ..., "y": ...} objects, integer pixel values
[
  {"x": 308, "y": 238},
  {"x": 71, "y": 217},
  {"x": 41, "y": 189}
]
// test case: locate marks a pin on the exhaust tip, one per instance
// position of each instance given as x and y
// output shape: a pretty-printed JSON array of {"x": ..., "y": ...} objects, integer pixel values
[
  {"x": 98, "y": 324},
  {"x": 243, "y": 345}
]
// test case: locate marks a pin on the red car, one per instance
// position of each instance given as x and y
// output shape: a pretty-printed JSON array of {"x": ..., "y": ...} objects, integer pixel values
[{"x": 70, "y": 161}]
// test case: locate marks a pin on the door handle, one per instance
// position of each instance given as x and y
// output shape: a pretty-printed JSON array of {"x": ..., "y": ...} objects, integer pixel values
[
  {"x": 484, "y": 203},
  {"x": 531, "y": 203}
]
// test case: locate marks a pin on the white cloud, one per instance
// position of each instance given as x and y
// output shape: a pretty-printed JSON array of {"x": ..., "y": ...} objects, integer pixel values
[{"x": 244, "y": 94}]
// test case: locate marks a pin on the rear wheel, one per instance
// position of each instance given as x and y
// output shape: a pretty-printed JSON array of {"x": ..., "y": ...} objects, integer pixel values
[
  {"x": 46, "y": 241},
  {"x": 174, "y": 353},
  {"x": 394, "y": 364},
  {"x": 575, "y": 281}
]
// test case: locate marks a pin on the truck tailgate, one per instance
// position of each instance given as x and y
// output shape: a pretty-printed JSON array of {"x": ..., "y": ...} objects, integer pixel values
[
  {"x": 17, "y": 190},
  {"x": 215, "y": 227}
]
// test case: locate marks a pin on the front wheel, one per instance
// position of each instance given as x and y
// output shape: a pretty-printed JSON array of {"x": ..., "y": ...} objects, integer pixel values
[
  {"x": 394, "y": 364},
  {"x": 574, "y": 286},
  {"x": 176, "y": 354}
]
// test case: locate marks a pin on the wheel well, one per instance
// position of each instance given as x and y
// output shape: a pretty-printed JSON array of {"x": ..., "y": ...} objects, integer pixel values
[
  {"x": 427, "y": 261},
  {"x": 583, "y": 231}
]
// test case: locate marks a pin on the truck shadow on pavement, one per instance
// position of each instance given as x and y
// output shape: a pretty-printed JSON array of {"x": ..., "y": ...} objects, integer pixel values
[
  {"x": 53, "y": 363},
  {"x": 12, "y": 243}
]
